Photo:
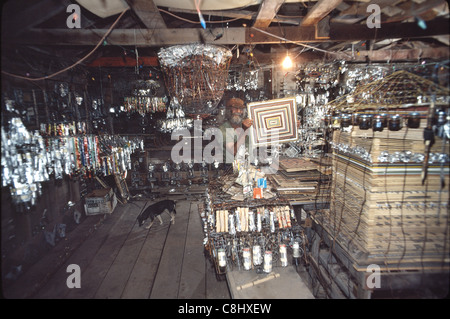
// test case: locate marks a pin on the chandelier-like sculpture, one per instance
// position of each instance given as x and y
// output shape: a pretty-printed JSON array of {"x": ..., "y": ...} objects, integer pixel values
[{"x": 196, "y": 75}]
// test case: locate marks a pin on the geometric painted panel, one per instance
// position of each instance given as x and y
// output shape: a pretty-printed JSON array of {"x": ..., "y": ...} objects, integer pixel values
[{"x": 273, "y": 119}]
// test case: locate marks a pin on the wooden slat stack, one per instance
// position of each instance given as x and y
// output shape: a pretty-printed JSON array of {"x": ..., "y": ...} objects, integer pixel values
[
  {"x": 382, "y": 207},
  {"x": 303, "y": 179}
]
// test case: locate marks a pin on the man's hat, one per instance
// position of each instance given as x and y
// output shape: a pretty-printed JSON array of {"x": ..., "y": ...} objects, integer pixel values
[{"x": 236, "y": 102}]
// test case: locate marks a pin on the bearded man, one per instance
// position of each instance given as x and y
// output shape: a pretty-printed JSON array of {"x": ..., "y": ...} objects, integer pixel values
[{"x": 234, "y": 128}]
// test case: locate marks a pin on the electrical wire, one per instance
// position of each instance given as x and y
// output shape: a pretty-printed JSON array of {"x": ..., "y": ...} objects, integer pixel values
[
  {"x": 76, "y": 63},
  {"x": 196, "y": 22},
  {"x": 200, "y": 16},
  {"x": 298, "y": 42}
]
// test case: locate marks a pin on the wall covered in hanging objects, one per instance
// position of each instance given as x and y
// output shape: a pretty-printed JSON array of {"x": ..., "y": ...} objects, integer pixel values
[{"x": 29, "y": 158}]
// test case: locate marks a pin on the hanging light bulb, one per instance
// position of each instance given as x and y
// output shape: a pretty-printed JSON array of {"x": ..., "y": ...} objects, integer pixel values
[{"x": 287, "y": 62}]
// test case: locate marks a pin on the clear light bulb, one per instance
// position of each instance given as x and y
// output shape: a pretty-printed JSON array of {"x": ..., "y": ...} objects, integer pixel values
[{"x": 287, "y": 62}]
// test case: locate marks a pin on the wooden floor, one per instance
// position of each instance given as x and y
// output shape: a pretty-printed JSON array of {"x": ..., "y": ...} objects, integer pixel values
[{"x": 120, "y": 260}]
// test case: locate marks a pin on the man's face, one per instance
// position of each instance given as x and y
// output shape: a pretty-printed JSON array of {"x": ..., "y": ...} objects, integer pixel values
[
  {"x": 236, "y": 116},
  {"x": 236, "y": 110}
]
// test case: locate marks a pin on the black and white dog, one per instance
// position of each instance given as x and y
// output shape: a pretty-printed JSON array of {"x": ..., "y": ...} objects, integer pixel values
[{"x": 155, "y": 210}]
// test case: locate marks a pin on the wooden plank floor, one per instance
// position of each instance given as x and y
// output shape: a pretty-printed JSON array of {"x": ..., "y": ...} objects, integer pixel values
[{"x": 120, "y": 260}]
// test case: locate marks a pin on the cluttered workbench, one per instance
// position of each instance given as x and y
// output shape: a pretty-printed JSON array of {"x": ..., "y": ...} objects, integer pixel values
[{"x": 253, "y": 234}]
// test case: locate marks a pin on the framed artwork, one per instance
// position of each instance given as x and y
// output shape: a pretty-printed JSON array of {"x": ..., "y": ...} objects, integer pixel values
[{"x": 273, "y": 117}]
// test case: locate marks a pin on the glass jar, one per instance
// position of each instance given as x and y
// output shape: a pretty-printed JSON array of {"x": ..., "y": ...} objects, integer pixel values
[
  {"x": 385, "y": 119},
  {"x": 365, "y": 121},
  {"x": 395, "y": 123},
  {"x": 413, "y": 120},
  {"x": 440, "y": 118},
  {"x": 378, "y": 123},
  {"x": 346, "y": 120}
]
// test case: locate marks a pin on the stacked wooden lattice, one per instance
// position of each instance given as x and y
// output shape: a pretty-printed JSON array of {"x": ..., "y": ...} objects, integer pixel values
[
  {"x": 378, "y": 200},
  {"x": 400, "y": 89}
]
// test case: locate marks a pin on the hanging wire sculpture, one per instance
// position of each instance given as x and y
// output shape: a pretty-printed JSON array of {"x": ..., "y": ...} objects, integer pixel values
[{"x": 196, "y": 75}]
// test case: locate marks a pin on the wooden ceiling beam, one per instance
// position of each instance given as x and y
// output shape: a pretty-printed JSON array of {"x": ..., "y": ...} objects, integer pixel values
[
  {"x": 267, "y": 11},
  {"x": 21, "y": 15},
  {"x": 124, "y": 61},
  {"x": 270, "y": 58},
  {"x": 164, "y": 37},
  {"x": 394, "y": 55},
  {"x": 320, "y": 10},
  {"x": 148, "y": 13},
  {"x": 240, "y": 14}
]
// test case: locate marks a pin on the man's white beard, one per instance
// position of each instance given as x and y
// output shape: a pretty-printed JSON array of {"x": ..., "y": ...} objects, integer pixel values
[{"x": 236, "y": 119}]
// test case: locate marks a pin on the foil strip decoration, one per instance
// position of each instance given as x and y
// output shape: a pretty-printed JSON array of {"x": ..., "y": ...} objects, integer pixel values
[
  {"x": 175, "y": 55},
  {"x": 243, "y": 80},
  {"x": 412, "y": 157},
  {"x": 175, "y": 119},
  {"x": 143, "y": 99},
  {"x": 357, "y": 151}
]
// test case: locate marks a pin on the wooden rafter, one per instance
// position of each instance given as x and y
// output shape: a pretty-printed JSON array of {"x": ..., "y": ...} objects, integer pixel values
[
  {"x": 267, "y": 12},
  {"x": 161, "y": 37},
  {"x": 148, "y": 13},
  {"x": 240, "y": 14},
  {"x": 46, "y": 9},
  {"x": 440, "y": 53},
  {"x": 320, "y": 10}
]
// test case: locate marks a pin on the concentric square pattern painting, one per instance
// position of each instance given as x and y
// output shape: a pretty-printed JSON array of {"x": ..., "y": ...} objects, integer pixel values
[{"x": 273, "y": 117}]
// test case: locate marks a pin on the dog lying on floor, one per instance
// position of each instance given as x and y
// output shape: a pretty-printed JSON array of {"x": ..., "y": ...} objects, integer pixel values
[{"x": 155, "y": 210}]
